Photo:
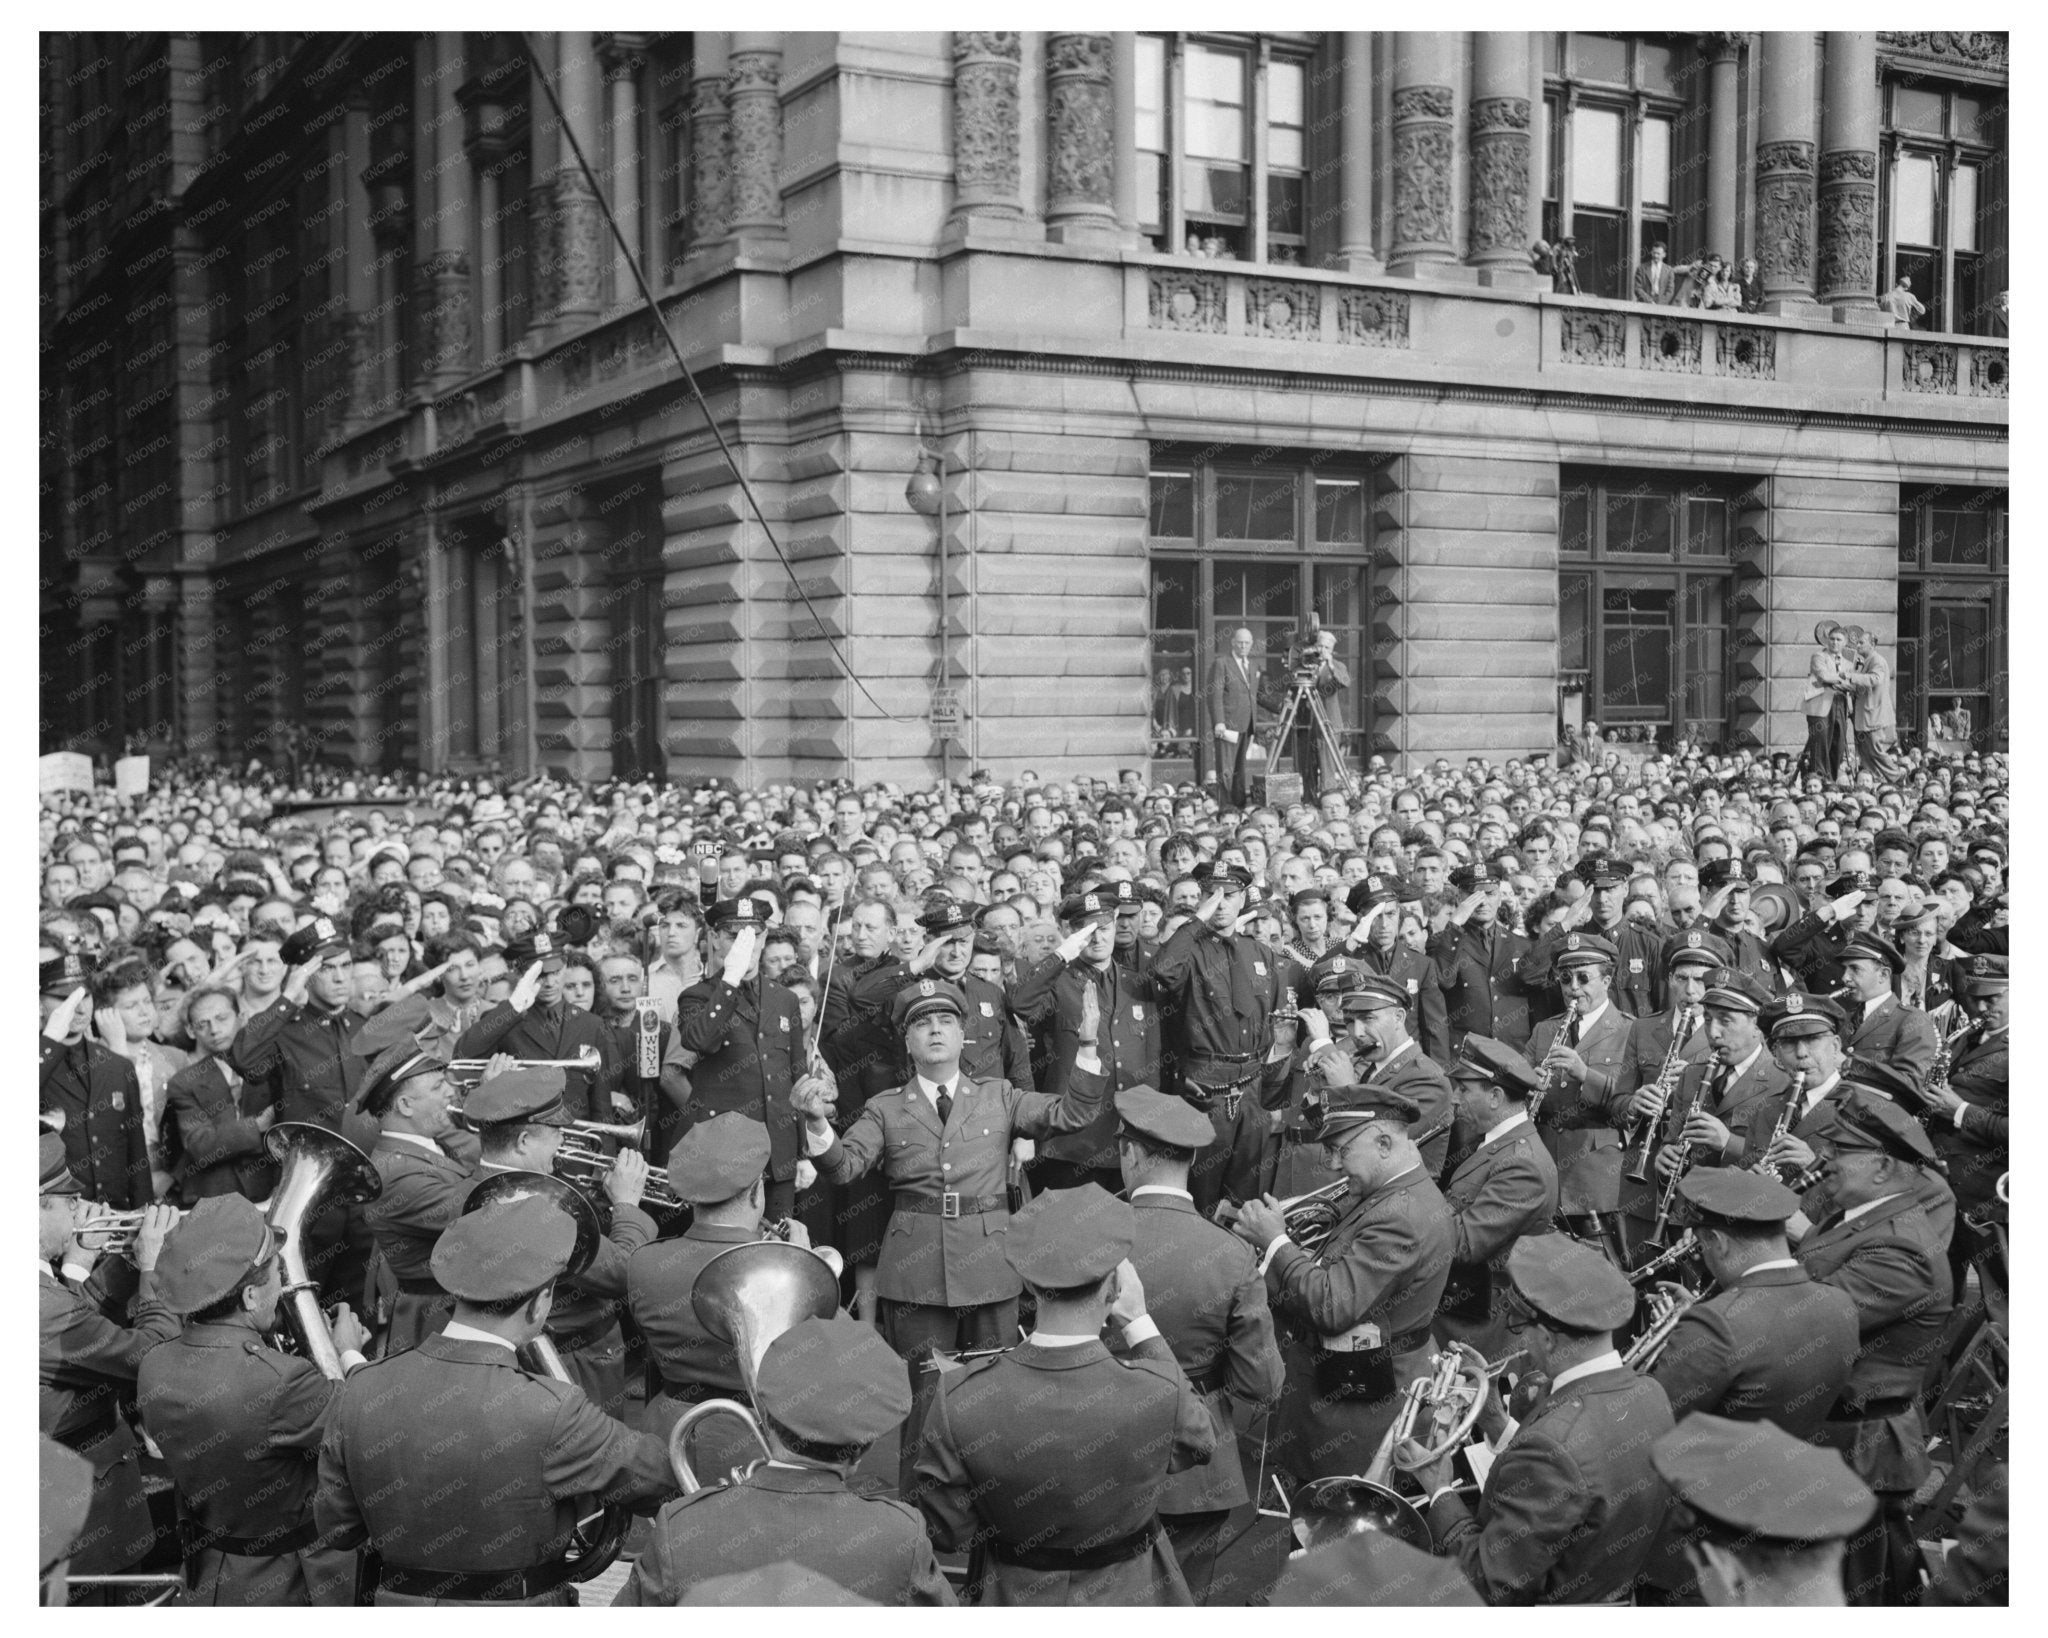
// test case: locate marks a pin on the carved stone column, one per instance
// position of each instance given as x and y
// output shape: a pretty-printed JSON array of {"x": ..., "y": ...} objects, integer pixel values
[
  {"x": 753, "y": 105},
  {"x": 1423, "y": 149},
  {"x": 1724, "y": 152},
  {"x": 623, "y": 57},
  {"x": 986, "y": 180},
  {"x": 486, "y": 138},
  {"x": 1784, "y": 172},
  {"x": 1356, "y": 254},
  {"x": 442, "y": 291},
  {"x": 1079, "y": 190},
  {"x": 1848, "y": 174},
  {"x": 441, "y": 277},
  {"x": 1500, "y": 156},
  {"x": 1123, "y": 91},
  {"x": 710, "y": 147},
  {"x": 576, "y": 246}
]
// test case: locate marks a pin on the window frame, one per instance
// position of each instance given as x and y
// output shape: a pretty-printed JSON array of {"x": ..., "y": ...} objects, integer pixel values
[
  {"x": 1949, "y": 152},
  {"x": 1565, "y": 91},
  {"x": 1924, "y": 583}
]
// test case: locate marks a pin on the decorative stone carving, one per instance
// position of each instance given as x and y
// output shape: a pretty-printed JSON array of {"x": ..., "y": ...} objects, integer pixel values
[
  {"x": 1500, "y": 178},
  {"x": 1282, "y": 310},
  {"x": 754, "y": 123},
  {"x": 985, "y": 164},
  {"x": 1990, "y": 372},
  {"x": 1594, "y": 338},
  {"x": 442, "y": 291},
  {"x": 710, "y": 165},
  {"x": 1983, "y": 50},
  {"x": 1784, "y": 207},
  {"x": 622, "y": 55},
  {"x": 356, "y": 335},
  {"x": 1718, "y": 47},
  {"x": 1928, "y": 366},
  {"x": 1373, "y": 318},
  {"x": 1422, "y": 171},
  {"x": 1671, "y": 344},
  {"x": 1187, "y": 301},
  {"x": 1848, "y": 226},
  {"x": 1746, "y": 350},
  {"x": 576, "y": 245},
  {"x": 1079, "y": 174}
]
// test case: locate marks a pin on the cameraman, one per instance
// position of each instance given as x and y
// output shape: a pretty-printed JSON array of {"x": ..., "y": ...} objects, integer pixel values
[{"x": 1317, "y": 664}]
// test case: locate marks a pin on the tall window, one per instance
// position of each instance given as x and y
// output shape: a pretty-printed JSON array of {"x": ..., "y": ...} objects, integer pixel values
[
  {"x": 665, "y": 157},
  {"x": 1952, "y": 612},
  {"x": 1223, "y": 146},
  {"x": 481, "y": 647},
  {"x": 264, "y": 360},
  {"x": 1940, "y": 148},
  {"x": 633, "y": 561},
  {"x": 1643, "y": 601},
  {"x": 1614, "y": 105},
  {"x": 1260, "y": 544}
]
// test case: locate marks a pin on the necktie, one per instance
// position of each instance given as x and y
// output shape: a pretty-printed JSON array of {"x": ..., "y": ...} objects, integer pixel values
[
  {"x": 945, "y": 1106},
  {"x": 1571, "y": 1032},
  {"x": 1717, "y": 1087}
]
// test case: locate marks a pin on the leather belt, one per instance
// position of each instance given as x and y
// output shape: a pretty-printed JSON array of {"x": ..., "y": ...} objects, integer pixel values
[
  {"x": 951, "y": 1204},
  {"x": 479, "y": 1586},
  {"x": 1078, "y": 1558},
  {"x": 1206, "y": 1378},
  {"x": 1874, "y": 1410},
  {"x": 273, "y": 1544}
]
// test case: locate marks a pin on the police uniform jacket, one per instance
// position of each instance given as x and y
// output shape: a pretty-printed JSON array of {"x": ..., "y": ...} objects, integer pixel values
[
  {"x": 1479, "y": 972},
  {"x": 1049, "y": 1456},
  {"x": 240, "y": 1426},
  {"x": 1638, "y": 985},
  {"x": 1202, "y": 1288},
  {"x": 1502, "y": 1190},
  {"x": 1649, "y": 1041},
  {"x": 1775, "y": 1347},
  {"x": 749, "y": 1048},
  {"x": 1217, "y": 993},
  {"x": 1976, "y": 1152},
  {"x": 992, "y": 1047},
  {"x": 1048, "y": 999},
  {"x": 1894, "y": 1267},
  {"x": 1903, "y": 1037},
  {"x": 586, "y": 1307},
  {"x": 659, "y": 1279},
  {"x": 424, "y": 1189},
  {"x": 928, "y": 1257},
  {"x": 1428, "y": 1022},
  {"x": 858, "y": 1043},
  {"x": 1749, "y": 1106},
  {"x": 560, "y": 1031},
  {"x": 1574, "y": 1120},
  {"x": 1752, "y": 957},
  {"x": 305, "y": 1061},
  {"x": 1572, "y": 1507},
  {"x": 1812, "y": 948},
  {"x": 104, "y": 1141},
  {"x": 873, "y": 1546},
  {"x": 451, "y": 1457},
  {"x": 222, "y": 1150},
  {"x": 85, "y": 1366},
  {"x": 1421, "y": 1079}
]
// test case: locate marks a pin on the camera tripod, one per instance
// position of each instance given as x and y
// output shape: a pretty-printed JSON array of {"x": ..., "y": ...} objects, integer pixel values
[{"x": 1301, "y": 693}]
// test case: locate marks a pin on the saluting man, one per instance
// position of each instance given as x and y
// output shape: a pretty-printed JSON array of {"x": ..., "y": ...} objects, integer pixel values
[
  {"x": 1969, "y": 1123},
  {"x": 535, "y": 1022},
  {"x": 1479, "y": 960},
  {"x": 1378, "y": 1013}
]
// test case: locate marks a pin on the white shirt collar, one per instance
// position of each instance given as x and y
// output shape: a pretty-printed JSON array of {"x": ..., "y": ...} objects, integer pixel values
[
  {"x": 1057, "y": 1339},
  {"x": 1160, "y": 1188},
  {"x": 932, "y": 1089},
  {"x": 1775, "y": 1262},
  {"x": 1855, "y": 1212},
  {"x": 1875, "y": 1005},
  {"x": 456, "y": 1331},
  {"x": 1815, "y": 1093},
  {"x": 1747, "y": 1064},
  {"x": 1609, "y": 1361},
  {"x": 1588, "y": 1019},
  {"x": 425, "y": 1143},
  {"x": 1390, "y": 1057},
  {"x": 1518, "y": 1118}
]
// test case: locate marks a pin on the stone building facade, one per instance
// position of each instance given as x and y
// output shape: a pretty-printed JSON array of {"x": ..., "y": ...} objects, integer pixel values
[{"x": 357, "y": 427}]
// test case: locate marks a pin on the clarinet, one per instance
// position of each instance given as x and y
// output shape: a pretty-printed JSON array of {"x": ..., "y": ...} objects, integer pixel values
[
  {"x": 1793, "y": 1101},
  {"x": 1548, "y": 1082},
  {"x": 1638, "y": 1170},
  {"x": 1667, "y": 1197}
]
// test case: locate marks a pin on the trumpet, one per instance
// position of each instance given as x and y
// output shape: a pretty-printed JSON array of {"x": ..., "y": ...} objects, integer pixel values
[
  {"x": 1549, "y": 1079},
  {"x": 1645, "y": 1151},
  {"x": 582, "y": 1163},
  {"x": 115, "y": 1231},
  {"x": 1668, "y": 1302},
  {"x": 1307, "y": 1218},
  {"x": 468, "y": 1071}
]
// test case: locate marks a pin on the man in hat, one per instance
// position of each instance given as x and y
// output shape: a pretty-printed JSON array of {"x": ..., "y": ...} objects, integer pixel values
[
  {"x": 1873, "y": 1241},
  {"x": 1579, "y": 1055},
  {"x": 239, "y": 1422},
  {"x": 1764, "y": 1516},
  {"x": 1304, "y": 1060},
  {"x": 1571, "y": 1507},
  {"x": 1378, "y": 902},
  {"x": 86, "y": 1364},
  {"x": 1811, "y": 945},
  {"x": 1218, "y": 988},
  {"x": 1883, "y": 1028},
  {"x": 1377, "y": 1011},
  {"x": 826, "y": 1389},
  {"x": 718, "y": 1168},
  {"x": 1505, "y": 1187},
  {"x": 515, "y": 1459},
  {"x": 1049, "y": 1459},
  {"x": 1354, "y": 1314},
  {"x": 942, "y": 1143},
  {"x": 1643, "y": 1092},
  {"x": 1727, "y": 884},
  {"x": 1203, "y": 1288},
  {"x": 1966, "y": 1117},
  {"x": 93, "y": 1088},
  {"x": 1638, "y": 981},
  {"x": 1731, "y": 1098},
  {"x": 1478, "y": 958},
  {"x": 535, "y": 1022},
  {"x": 1048, "y": 1001},
  {"x": 519, "y": 1116},
  {"x": 745, "y": 1035}
]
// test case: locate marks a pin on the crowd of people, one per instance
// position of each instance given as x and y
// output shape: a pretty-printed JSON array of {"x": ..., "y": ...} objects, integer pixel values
[{"x": 1180, "y": 1158}]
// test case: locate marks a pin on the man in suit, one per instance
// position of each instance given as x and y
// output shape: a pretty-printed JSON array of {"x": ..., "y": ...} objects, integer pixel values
[
  {"x": 1478, "y": 963},
  {"x": 1233, "y": 711},
  {"x": 1579, "y": 1054},
  {"x": 221, "y": 1117},
  {"x": 827, "y": 1389},
  {"x": 1504, "y": 1188},
  {"x": 1968, "y": 1121},
  {"x": 942, "y": 1142},
  {"x": 1730, "y": 1100},
  {"x": 1203, "y": 1288},
  {"x": 1050, "y": 1459},
  {"x": 1572, "y": 1505},
  {"x": 1874, "y": 1243},
  {"x": 1830, "y": 680},
  {"x": 1883, "y": 1028},
  {"x": 1655, "y": 282},
  {"x": 535, "y": 1022},
  {"x": 1331, "y": 681}
]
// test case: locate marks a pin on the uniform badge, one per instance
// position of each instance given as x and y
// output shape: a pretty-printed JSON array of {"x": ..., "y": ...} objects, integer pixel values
[
  {"x": 1795, "y": 1002},
  {"x": 1414, "y": 985},
  {"x": 1138, "y": 1011},
  {"x": 120, "y": 1100},
  {"x": 1692, "y": 939},
  {"x": 1571, "y": 941},
  {"x": 1259, "y": 967},
  {"x": 784, "y": 1022},
  {"x": 988, "y": 1010},
  {"x": 926, "y": 987},
  {"x": 1635, "y": 964}
]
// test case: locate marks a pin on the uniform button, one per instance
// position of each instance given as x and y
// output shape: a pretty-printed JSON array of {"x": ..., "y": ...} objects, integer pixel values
[{"x": 945, "y": 1167}]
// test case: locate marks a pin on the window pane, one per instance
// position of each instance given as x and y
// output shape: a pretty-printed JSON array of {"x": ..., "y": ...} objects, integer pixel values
[
  {"x": 1706, "y": 600},
  {"x": 1909, "y": 541},
  {"x": 1340, "y": 513},
  {"x": 1284, "y": 149},
  {"x": 1174, "y": 719},
  {"x": 1151, "y": 191},
  {"x": 1595, "y": 57},
  {"x": 1151, "y": 101},
  {"x": 1970, "y": 125},
  {"x": 1653, "y": 67},
  {"x": 1656, "y": 162},
  {"x": 1914, "y": 109},
  {"x": 1604, "y": 265},
  {"x": 1958, "y": 646},
  {"x": 1215, "y": 103},
  {"x": 1284, "y": 83},
  {"x": 1638, "y": 525},
  {"x": 1706, "y": 528},
  {"x": 1173, "y": 507},
  {"x": 1913, "y": 202},
  {"x": 1250, "y": 508},
  {"x": 1959, "y": 539},
  {"x": 1971, "y": 316},
  {"x": 1635, "y": 654},
  {"x": 1553, "y": 51},
  {"x": 1215, "y": 190},
  {"x": 1553, "y": 126},
  {"x": 1574, "y": 621},
  {"x": 1575, "y": 520},
  {"x": 1596, "y": 156},
  {"x": 1962, "y": 208},
  {"x": 1283, "y": 204},
  {"x": 1339, "y": 597}
]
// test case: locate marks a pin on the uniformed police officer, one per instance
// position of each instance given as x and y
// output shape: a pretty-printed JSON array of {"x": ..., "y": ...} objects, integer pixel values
[
  {"x": 1580, "y": 1055},
  {"x": 534, "y": 1022},
  {"x": 93, "y": 1089},
  {"x": 1881, "y": 1026},
  {"x": 1726, "y": 884},
  {"x": 1811, "y": 946},
  {"x": 1374, "y": 943},
  {"x": 1478, "y": 963},
  {"x": 1967, "y": 1120},
  {"x": 1503, "y": 1188},
  {"x": 1764, "y": 1515},
  {"x": 239, "y": 1422},
  {"x": 1354, "y": 1315},
  {"x": 1638, "y": 982},
  {"x": 1049, "y": 1460},
  {"x": 826, "y": 1389},
  {"x": 463, "y": 1473},
  {"x": 1571, "y": 1508},
  {"x": 1203, "y": 1288},
  {"x": 992, "y": 1046},
  {"x": 1377, "y": 1011},
  {"x": 1639, "y": 1099},
  {"x": 1732, "y": 1097}
]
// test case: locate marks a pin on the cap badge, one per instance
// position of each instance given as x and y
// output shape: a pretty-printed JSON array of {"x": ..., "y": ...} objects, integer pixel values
[
  {"x": 1795, "y": 1002},
  {"x": 1693, "y": 940},
  {"x": 926, "y": 987},
  {"x": 1090, "y": 901},
  {"x": 322, "y": 927},
  {"x": 1571, "y": 941}
]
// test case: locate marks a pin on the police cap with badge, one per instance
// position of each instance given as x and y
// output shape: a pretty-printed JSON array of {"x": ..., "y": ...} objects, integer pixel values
[
  {"x": 945, "y": 914},
  {"x": 913, "y": 1001},
  {"x": 316, "y": 938},
  {"x": 537, "y": 945},
  {"x": 1494, "y": 1063},
  {"x": 1796, "y": 1013},
  {"x": 1695, "y": 947},
  {"x": 1587, "y": 950},
  {"x": 1374, "y": 991}
]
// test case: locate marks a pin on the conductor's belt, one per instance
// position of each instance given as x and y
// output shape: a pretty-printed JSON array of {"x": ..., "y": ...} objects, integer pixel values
[
  {"x": 1053, "y": 1559},
  {"x": 1366, "y": 1338},
  {"x": 951, "y": 1204}
]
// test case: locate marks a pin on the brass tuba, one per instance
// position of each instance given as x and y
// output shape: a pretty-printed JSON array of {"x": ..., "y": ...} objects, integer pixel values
[
  {"x": 317, "y": 1169},
  {"x": 749, "y": 1296}
]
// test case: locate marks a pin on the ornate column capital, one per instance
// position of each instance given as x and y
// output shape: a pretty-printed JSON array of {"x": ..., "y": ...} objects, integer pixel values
[
  {"x": 571, "y": 266},
  {"x": 710, "y": 163},
  {"x": 1848, "y": 227},
  {"x": 1080, "y": 170},
  {"x": 986, "y": 175},
  {"x": 621, "y": 56},
  {"x": 441, "y": 288},
  {"x": 1718, "y": 48},
  {"x": 485, "y": 132}
]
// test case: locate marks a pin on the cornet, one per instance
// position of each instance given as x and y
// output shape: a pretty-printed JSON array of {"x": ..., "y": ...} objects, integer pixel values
[
  {"x": 115, "y": 1231},
  {"x": 1307, "y": 1218},
  {"x": 468, "y": 1071}
]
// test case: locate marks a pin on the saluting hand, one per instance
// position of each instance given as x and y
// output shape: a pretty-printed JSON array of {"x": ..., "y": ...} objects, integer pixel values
[
  {"x": 59, "y": 1027},
  {"x": 1069, "y": 948},
  {"x": 1127, "y": 1307},
  {"x": 527, "y": 990},
  {"x": 1468, "y": 907},
  {"x": 298, "y": 978},
  {"x": 113, "y": 1034}
]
